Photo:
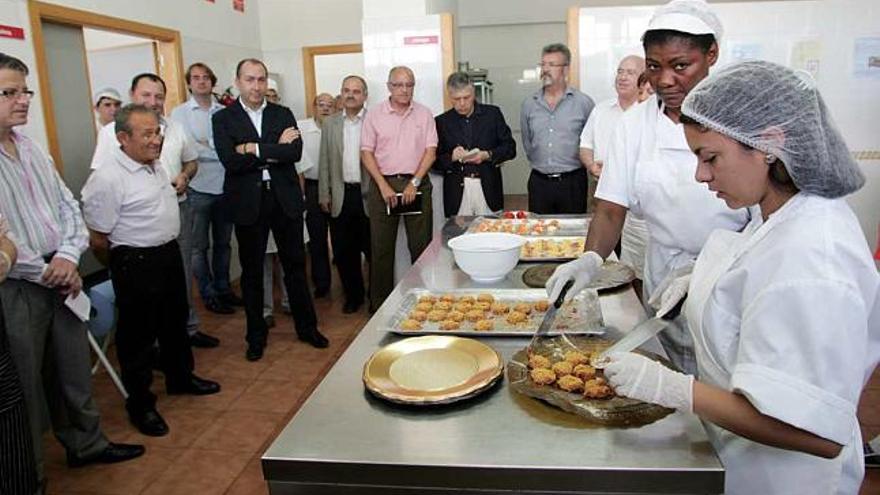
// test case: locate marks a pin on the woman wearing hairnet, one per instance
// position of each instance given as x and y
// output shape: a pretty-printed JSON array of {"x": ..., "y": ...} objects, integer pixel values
[
  {"x": 785, "y": 315},
  {"x": 650, "y": 170}
]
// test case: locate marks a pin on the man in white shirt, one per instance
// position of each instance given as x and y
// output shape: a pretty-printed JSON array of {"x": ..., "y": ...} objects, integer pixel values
[
  {"x": 316, "y": 218},
  {"x": 130, "y": 208},
  {"x": 179, "y": 159},
  {"x": 595, "y": 141},
  {"x": 205, "y": 191},
  {"x": 343, "y": 185}
]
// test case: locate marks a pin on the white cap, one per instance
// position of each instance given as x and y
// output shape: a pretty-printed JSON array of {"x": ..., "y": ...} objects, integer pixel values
[
  {"x": 686, "y": 16},
  {"x": 272, "y": 84},
  {"x": 107, "y": 93}
]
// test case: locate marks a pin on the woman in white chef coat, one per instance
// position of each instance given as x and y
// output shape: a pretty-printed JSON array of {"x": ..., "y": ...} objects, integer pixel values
[
  {"x": 650, "y": 169},
  {"x": 785, "y": 315}
]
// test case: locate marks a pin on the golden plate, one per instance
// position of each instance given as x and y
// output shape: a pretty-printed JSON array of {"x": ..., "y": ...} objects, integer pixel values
[{"x": 433, "y": 369}]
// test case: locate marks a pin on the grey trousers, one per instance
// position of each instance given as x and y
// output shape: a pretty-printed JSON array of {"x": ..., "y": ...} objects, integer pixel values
[
  {"x": 184, "y": 240},
  {"x": 51, "y": 353}
]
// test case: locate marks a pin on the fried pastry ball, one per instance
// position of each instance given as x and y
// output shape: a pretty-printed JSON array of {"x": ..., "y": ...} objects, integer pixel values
[
  {"x": 542, "y": 306},
  {"x": 474, "y": 315},
  {"x": 424, "y": 306},
  {"x": 584, "y": 372},
  {"x": 462, "y": 306},
  {"x": 562, "y": 368},
  {"x": 575, "y": 357},
  {"x": 428, "y": 298},
  {"x": 570, "y": 383},
  {"x": 418, "y": 315},
  {"x": 436, "y": 315},
  {"x": 538, "y": 361},
  {"x": 524, "y": 308},
  {"x": 484, "y": 325},
  {"x": 410, "y": 324},
  {"x": 515, "y": 317},
  {"x": 455, "y": 315},
  {"x": 597, "y": 389},
  {"x": 500, "y": 308},
  {"x": 447, "y": 298},
  {"x": 443, "y": 305},
  {"x": 542, "y": 376},
  {"x": 449, "y": 325},
  {"x": 466, "y": 299},
  {"x": 489, "y": 298},
  {"x": 483, "y": 305}
]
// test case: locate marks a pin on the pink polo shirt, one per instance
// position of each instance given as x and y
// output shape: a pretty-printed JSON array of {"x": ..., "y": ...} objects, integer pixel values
[{"x": 398, "y": 140}]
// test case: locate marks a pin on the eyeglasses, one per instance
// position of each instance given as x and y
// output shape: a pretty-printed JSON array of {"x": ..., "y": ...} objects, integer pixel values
[
  {"x": 14, "y": 94},
  {"x": 550, "y": 64},
  {"x": 400, "y": 85}
]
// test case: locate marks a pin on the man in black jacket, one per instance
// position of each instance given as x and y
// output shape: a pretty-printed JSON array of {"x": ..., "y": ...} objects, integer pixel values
[
  {"x": 474, "y": 141},
  {"x": 258, "y": 143}
]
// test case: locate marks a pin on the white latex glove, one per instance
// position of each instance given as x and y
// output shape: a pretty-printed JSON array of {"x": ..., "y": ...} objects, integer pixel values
[
  {"x": 664, "y": 300},
  {"x": 637, "y": 377},
  {"x": 582, "y": 270}
]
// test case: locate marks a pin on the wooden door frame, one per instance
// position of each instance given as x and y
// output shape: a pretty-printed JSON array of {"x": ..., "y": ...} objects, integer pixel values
[
  {"x": 168, "y": 48},
  {"x": 308, "y": 56}
]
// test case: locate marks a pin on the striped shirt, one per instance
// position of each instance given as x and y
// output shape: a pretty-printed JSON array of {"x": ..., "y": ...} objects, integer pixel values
[{"x": 43, "y": 215}]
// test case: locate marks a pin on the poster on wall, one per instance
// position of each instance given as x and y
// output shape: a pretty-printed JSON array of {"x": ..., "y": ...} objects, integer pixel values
[
  {"x": 238, "y": 5},
  {"x": 805, "y": 55},
  {"x": 866, "y": 58}
]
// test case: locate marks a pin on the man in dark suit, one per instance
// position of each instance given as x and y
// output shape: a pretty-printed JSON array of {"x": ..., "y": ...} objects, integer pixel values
[
  {"x": 258, "y": 143},
  {"x": 474, "y": 140}
]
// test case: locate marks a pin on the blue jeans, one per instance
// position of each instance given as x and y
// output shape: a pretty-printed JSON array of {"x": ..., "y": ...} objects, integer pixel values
[{"x": 213, "y": 278}]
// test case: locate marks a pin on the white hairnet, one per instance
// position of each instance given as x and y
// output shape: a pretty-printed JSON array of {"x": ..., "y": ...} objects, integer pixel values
[
  {"x": 687, "y": 16},
  {"x": 778, "y": 111}
]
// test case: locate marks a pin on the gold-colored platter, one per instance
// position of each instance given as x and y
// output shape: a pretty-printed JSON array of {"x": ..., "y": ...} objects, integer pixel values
[{"x": 434, "y": 369}]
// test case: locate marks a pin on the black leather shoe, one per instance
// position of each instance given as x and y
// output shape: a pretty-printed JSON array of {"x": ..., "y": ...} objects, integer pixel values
[
  {"x": 314, "y": 338},
  {"x": 215, "y": 305},
  {"x": 230, "y": 299},
  {"x": 114, "y": 452},
  {"x": 149, "y": 423},
  {"x": 253, "y": 353},
  {"x": 203, "y": 340},
  {"x": 194, "y": 386},
  {"x": 270, "y": 321},
  {"x": 322, "y": 292},
  {"x": 351, "y": 307}
]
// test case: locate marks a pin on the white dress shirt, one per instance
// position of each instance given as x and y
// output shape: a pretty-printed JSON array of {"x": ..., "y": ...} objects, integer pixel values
[
  {"x": 134, "y": 203},
  {"x": 600, "y": 126},
  {"x": 256, "y": 117},
  {"x": 196, "y": 121},
  {"x": 351, "y": 147},
  {"x": 311, "y": 137}
]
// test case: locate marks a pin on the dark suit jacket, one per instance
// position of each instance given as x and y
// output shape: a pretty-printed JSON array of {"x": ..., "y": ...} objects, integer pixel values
[
  {"x": 242, "y": 188},
  {"x": 489, "y": 132}
]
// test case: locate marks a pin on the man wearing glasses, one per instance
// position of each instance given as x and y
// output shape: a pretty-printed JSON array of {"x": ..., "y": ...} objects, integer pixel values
[
  {"x": 551, "y": 121},
  {"x": 398, "y": 147}
]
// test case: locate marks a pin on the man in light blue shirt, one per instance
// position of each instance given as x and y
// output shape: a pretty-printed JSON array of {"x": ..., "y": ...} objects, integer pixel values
[{"x": 206, "y": 189}]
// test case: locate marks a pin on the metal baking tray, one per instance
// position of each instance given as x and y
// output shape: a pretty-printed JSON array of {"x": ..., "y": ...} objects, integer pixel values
[
  {"x": 571, "y": 254},
  {"x": 583, "y": 315},
  {"x": 533, "y": 226}
]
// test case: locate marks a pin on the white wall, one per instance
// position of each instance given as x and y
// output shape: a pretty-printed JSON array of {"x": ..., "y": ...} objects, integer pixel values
[
  {"x": 288, "y": 25},
  {"x": 114, "y": 67}
]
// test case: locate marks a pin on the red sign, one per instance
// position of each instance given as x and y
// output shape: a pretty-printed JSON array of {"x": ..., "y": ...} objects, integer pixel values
[
  {"x": 11, "y": 32},
  {"x": 421, "y": 40},
  {"x": 238, "y": 5}
]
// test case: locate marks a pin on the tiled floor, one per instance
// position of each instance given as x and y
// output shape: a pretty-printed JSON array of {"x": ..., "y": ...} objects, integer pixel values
[{"x": 215, "y": 442}]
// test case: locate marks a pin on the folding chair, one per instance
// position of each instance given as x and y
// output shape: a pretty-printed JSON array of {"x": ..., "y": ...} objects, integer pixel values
[{"x": 103, "y": 324}]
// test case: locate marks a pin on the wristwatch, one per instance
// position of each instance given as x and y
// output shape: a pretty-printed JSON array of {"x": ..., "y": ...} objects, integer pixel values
[{"x": 416, "y": 182}]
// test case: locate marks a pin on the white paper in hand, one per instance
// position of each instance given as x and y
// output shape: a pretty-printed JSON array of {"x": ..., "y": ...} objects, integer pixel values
[{"x": 81, "y": 305}]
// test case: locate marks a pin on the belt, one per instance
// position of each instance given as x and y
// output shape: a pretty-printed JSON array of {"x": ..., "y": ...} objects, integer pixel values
[
  {"x": 172, "y": 244},
  {"x": 352, "y": 185},
  {"x": 399, "y": 176},
  {"x": 473, "y": 175},
  {"x": 559, "y": 176}
]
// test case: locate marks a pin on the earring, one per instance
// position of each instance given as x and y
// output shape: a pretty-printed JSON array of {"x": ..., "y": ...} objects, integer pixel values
[{"x": 769, "y": 159}]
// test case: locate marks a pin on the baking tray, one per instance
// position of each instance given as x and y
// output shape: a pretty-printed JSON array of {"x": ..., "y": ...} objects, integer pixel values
[
  {"x": 616, "y": 411},
  {"x": 612, "y": 274},
  {"x": 532, "y": 226},
  {"x": 583, "y": 315},
  {"x": 571, "y": 254}
]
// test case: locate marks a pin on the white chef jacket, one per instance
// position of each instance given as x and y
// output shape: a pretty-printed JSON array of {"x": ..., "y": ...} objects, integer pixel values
[
  {"x": 787, "y": 313},
  {"x": 650, "y": 169}
]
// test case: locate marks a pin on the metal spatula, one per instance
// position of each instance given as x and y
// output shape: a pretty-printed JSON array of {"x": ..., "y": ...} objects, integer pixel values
[
  {"x": 640, "y": 334},
  {"x": 550, "y": 315}
]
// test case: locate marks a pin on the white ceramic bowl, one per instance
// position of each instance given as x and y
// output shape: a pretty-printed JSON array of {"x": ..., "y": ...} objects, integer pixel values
[{"x": 487, "y": 256}]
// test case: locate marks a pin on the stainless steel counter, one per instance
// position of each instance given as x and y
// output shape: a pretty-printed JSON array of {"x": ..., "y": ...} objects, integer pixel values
[{"x": 345, "y": 441}]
